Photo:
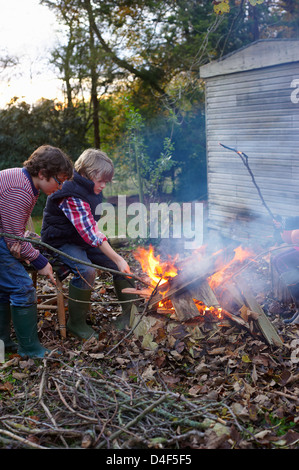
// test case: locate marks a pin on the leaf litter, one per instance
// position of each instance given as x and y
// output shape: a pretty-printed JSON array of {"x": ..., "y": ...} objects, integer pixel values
[{"x": 174, "y": 386}]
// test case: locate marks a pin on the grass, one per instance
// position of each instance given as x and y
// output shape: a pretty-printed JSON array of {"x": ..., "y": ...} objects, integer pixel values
[{"x": 37, "y": 222}]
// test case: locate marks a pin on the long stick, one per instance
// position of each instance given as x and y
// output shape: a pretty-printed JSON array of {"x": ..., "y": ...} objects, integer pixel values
[
  {"x": 244, "y": 159},
  {"x": 45, "y": 245}
]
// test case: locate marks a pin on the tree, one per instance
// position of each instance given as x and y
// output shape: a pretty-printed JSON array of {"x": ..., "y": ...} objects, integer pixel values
[
  {"x": 152, "y": 51},
  {"x": 23, "y": 128}
]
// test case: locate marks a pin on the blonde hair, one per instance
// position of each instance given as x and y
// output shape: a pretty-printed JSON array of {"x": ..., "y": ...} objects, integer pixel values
[{"x": 94, "y": 163}]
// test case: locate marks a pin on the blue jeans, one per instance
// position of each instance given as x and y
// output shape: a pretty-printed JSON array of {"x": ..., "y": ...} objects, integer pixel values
[
  {"x": 82, "y": 272},
  {"x": 16, "y": 286}
]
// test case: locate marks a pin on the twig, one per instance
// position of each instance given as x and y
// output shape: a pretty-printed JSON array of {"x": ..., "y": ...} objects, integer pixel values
[
  {"x": 244, "y": 159},
  {"x": 135, "y": 420},
  {"x": 21, "y": 439},
  {"x": 40, "y": 397},
  {"x": 88, "y": 418},
  {"x": 86, "y": 263}
]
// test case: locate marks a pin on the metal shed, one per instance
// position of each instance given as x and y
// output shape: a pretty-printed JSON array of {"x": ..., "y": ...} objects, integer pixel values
[{"x": 252, "y": 105}]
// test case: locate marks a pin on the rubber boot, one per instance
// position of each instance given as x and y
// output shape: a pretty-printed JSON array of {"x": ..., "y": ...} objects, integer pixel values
[
  {"x": 5, "y": 330},
  {"x": 78, "y": 311},
  {"x": 124, "y": 319},
  {"x": 25, "y": 325}
]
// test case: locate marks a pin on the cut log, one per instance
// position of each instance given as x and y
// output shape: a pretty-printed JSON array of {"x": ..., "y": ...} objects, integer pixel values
[
  {"x": 182, "y": 281},
  {"x": 203, "y": 292},
  {"x": 230, "y": 297},
  {"x": 265, "y": 326},
  {"x": 184, "y": 306}
]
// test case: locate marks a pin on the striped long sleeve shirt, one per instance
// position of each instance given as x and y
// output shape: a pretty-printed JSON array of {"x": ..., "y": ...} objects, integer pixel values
[
  {"x": 79, "y": 213},
  {"x": 18, "y": 197}
]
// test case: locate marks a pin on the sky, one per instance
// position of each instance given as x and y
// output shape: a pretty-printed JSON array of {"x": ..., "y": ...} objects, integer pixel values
[{"x": 29, "y": 31}]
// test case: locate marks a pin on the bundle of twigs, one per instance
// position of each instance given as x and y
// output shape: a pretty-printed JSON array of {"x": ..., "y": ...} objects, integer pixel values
[{"x": 77, "y": 406}]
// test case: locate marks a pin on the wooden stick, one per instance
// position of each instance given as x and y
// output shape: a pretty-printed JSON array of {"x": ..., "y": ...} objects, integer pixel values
[
  {"x": 244, "y": 159},
  {"x": 49, "y": 247},
  {"x": 263, "y": 323}
]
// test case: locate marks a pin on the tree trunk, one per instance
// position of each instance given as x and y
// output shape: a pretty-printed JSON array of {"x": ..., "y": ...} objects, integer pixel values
[{"x": 94, "y": 91}]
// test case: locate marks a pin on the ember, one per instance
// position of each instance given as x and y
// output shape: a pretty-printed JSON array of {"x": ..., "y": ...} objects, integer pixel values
[{"x": 204, "y": 310}]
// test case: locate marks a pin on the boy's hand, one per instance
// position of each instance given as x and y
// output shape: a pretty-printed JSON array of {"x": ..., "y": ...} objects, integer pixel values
[
  {"x": 29, "y": 234},
  {"x": 48, "y": 271},
  {"x": 15, "y": 250},
  {"x": 123, "y": 265}
]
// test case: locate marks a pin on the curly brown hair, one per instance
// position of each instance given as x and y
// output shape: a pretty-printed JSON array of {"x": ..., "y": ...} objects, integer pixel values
[{"x": 50, "y": 161}]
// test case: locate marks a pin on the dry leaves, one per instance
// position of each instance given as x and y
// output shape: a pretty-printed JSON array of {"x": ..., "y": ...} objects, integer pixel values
[{"x": 168, "y": 386}]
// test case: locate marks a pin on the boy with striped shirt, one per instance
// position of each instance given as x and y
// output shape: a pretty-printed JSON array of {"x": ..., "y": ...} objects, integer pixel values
[{"x": 45, "y": 170}]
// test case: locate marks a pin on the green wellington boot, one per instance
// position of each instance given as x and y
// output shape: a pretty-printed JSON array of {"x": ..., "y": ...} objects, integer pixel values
[
  {"x": 124, "y": 319},
  {"x": 5, "y": 329},
  {"x": 25, "y": 325},
  {"x": 78, "y": 311}
]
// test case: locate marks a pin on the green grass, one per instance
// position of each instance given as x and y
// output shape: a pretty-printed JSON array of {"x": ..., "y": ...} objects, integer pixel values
[{"x": 37, "y": 222}]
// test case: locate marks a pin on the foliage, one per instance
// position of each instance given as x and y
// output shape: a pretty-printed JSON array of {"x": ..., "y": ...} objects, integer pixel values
[
  {"x": 223, "y": 6},
  {"x": 150, "y": 51},
  {"x": 150, "y": 173},
  {"x": 23, "y": 128}
]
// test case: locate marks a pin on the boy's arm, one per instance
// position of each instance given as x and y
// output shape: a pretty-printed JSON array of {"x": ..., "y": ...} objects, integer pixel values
[
  {"x": 118, "y": 260},
  {"x": 15, "y": 209},
  {"x": 79, "y": 213}
]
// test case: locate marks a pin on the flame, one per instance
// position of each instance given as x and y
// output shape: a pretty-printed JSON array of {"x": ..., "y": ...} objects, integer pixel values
[
  {"x": 241, "y": 254},
  {"x": 154, "y": 267},
  {"x": 203, "y": 309},
  {"x": 162, "y": 271}
]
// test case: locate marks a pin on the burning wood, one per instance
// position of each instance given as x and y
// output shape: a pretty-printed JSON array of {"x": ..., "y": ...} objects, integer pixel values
[{"x": 186, "y": 290}]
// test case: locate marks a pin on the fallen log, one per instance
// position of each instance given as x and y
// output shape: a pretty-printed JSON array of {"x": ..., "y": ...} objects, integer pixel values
[{"x": 263, "y": 323}]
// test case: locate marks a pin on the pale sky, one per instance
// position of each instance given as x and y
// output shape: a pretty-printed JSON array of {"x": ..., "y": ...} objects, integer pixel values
[{"x": 29, "y": 31}]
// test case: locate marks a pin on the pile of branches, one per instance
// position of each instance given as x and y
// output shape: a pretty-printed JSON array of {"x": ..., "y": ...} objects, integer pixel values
[{"x": 72, "y": 405}]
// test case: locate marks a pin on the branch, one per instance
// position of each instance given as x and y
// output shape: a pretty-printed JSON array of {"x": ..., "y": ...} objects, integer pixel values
[
  {"x": 135, "y": 420},
  {"x": 244, "y": 159},
  {"x": 120, "y": 62},
  {"x": 49, "y": 247}
]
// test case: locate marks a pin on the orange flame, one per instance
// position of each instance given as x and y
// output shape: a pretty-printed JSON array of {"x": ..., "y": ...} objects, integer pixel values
[
  {"x": 203, "y": 309},
  {"x": 241, "y": 255},
  {"x": 162, "y": 271},
  {"x": 154, "y": 267}
]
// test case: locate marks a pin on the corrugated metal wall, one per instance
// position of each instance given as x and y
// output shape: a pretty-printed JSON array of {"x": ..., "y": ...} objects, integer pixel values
[{"x": 253, "y": 112}]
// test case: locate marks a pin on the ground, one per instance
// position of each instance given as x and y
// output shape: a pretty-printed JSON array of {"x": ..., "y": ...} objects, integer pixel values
[{"x": 217, "y": 387}]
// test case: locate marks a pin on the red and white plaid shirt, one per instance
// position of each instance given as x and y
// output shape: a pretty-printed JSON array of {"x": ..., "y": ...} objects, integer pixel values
[{"x": 79, "y": 213}]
